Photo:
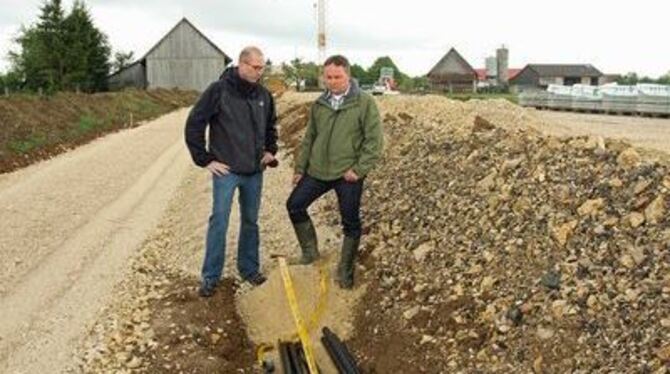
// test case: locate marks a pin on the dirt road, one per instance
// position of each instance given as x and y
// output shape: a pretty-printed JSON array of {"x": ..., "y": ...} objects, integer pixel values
[{"x": 68, "y": 228}]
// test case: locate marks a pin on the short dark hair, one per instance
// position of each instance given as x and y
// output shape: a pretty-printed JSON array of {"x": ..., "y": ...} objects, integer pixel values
[{"x": 338, "y": 60}]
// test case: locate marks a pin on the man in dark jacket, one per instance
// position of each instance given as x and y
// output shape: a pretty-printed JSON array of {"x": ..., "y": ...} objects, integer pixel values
[{"x": 241, "y": 117}]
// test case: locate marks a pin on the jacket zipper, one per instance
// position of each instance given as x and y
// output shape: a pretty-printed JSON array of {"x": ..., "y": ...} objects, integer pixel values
[{"x": 330, "y": 136}]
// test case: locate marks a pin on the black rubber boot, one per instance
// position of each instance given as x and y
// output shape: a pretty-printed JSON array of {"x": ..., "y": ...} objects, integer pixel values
[
  {"x": 306, "y": 235},
  {"x": 345, "y": 269}
]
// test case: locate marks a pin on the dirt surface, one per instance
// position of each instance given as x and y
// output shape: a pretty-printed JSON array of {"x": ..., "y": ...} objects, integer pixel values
[
  {"x": 69, "y": 226},
  {"x": 653, "y": 133},
  {"x": 154, "y": 310},
  {"x": 495, "y": 248},
  {"x": 101, "y": 248}
]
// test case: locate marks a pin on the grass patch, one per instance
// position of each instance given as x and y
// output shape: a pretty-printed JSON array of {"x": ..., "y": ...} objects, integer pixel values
[{"x": 28, "y": 144}]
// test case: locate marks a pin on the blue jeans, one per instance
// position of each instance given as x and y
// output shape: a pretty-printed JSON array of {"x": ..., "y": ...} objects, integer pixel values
[{"x": 247, "y": 250}]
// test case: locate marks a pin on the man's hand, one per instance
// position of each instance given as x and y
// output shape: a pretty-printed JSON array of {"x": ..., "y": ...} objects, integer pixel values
[
  {"x": 296, "y": 179},
  {"x": 350, "y": 176},
  {"x": 269, "y": 160},
  {"x": 218, "y": 168}
]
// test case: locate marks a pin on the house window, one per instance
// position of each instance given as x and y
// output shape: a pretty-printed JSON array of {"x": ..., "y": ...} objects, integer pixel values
[{"x": 571, "y": 81}]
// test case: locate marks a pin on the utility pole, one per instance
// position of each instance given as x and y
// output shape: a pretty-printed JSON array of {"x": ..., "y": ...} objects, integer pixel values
[{"x": 321, "y": 30}]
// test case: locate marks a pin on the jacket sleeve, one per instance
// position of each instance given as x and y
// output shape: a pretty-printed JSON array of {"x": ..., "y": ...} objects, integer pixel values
[
  {"x": 306, "y": 145},
  {"x": 373, "y": 141},
  {"x": 271, "y": 128},
  {"x": 196, "y": 124}
]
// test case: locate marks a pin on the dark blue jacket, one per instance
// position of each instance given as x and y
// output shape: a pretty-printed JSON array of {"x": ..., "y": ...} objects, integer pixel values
[{"x": 242, "y": 124}]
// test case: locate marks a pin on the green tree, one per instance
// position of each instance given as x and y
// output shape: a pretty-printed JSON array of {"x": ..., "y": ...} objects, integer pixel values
[
  {"x": 298, "y": 71},
  {"x": 665, "y": 79},
  {"x": 628, "y": 79},
  {"x": 122, "y": 60},
  {"x": 40, "y": 61},
  {"x": 10, "y": 81},
  {"x": 385, "y": 61},
  {"x": 359, "y": 73},
  {"x": 62, "y": 52},
  {"x": 88, "y": 52}
]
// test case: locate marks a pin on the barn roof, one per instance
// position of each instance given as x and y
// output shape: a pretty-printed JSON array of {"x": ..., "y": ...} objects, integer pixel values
[
  {"x": 452, "y": 64},
  {"x": 187, "y": 22},
  {"x": 482, "y": 73},
  {"x": 565, "y": 70}
]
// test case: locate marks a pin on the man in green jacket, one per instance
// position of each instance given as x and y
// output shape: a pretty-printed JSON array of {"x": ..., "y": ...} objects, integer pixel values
[{"x": 342, "y": 143}]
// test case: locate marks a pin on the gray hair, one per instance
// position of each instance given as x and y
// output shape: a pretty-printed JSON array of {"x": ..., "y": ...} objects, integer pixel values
[{"x": 248, "y": 51}]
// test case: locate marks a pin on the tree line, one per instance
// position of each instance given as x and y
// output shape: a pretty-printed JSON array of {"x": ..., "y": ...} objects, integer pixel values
[
  {"x": 61, "y": 51},
  {"x": 298, "y": 70}
]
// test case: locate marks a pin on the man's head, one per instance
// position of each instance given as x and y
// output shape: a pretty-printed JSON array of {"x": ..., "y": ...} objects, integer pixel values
[
  {"x": 336, "y": 73},
  {"x": 251, "y": 64}
]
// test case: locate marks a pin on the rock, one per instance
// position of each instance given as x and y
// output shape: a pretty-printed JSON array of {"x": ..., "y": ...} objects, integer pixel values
[
  {"x": 411, "y": 313},
  {"x": 591, "y": 207},
  {"x": 134, "y": 363},
  {"x": 504, "y": 328},
  {"x": 634, "y": 219},
  {"x": 637, "y": 254},
  {"x": 641, "y": 186},
  {"x": 559, "y": 308},
  {"x": 592, "y": 302},
  {"x": 482, "y": 124},
  {"x": 427, "y": 339},
  {"x": 511, "y": 164},
  {"x": 487, "y": 283},
  {"x": 665, "y": 322},
  {"x": 489, "y": 313},
  {"x": 632, "y": 295},
  {"x": 537, "y": 365},
  {"x": 615, "y": 182},
  {"x": 655, "y": 211},
  {"x": 421, "y": 251},
  {"x": 663, "y": 353},
  {"x": 487, "y": 183},
  {"x": 545, "y": 333},
  {"x": 627, "y": 261},
  {"x": 562, "y": 233},
  {"x": 215, "y": 338},
  {"x": 629, "y": 159},
  {"x": 551, "y": 280},
  {"x": 420, "y": 287},
  {"x": 515, "y": 315}
]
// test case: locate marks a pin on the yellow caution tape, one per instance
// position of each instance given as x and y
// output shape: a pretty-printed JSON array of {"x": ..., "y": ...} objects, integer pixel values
[
  {"x": 322, "y": 302},
  {"x": 293, "y": 303},
  {"x": 314, "y": 317},
  {"x": 261, "y": 350}
]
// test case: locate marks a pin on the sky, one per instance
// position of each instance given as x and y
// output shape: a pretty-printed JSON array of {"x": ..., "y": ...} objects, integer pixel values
[{"x": 616, "y": 37}]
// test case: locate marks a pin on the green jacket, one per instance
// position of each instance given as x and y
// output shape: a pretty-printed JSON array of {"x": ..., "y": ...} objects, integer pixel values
[{"x": 338, "y": 140}]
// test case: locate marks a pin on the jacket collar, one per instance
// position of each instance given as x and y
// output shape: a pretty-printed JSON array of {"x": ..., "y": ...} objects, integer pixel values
[
  {"x": 351, "y": 96},
  {"x": 244, "y": 88}
]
